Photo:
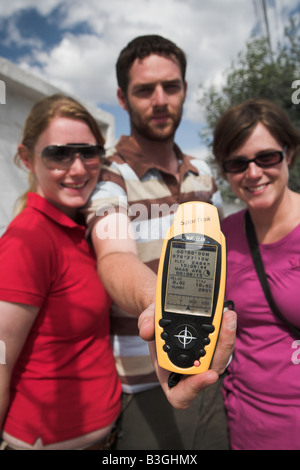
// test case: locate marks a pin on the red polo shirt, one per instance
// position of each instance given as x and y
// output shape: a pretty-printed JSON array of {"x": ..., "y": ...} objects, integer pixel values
[{"x": 64, "y": 384}]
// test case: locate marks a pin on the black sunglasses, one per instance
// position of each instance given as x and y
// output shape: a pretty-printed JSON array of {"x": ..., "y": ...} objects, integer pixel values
[
  {"x": 61, "y": 157},
  {"x": 264, "y": 160}
]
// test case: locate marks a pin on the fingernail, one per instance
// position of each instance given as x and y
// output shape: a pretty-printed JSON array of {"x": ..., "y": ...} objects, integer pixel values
[{"x": 232, "y": 322}]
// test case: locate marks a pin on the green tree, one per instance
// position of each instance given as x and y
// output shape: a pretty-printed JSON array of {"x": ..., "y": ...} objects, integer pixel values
[{"x": 258, "y": 72}]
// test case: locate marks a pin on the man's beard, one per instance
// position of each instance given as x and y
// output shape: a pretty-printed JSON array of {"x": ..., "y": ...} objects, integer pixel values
[{"x": 152, "y": 133}]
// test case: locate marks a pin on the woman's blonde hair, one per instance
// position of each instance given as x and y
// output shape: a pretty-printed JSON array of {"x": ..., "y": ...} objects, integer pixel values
[{"x": 39, "y": 118}]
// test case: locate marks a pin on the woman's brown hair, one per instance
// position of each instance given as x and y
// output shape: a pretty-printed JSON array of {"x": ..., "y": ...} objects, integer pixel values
[{"x": 238, "y": 122}]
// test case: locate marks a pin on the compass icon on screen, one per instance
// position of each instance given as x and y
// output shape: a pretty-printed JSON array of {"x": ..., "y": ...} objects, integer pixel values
[{"x": 185, "y": 337}]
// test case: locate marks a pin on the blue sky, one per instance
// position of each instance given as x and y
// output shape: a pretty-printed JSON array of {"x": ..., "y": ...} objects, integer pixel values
[{"x": 74, "y": 44}]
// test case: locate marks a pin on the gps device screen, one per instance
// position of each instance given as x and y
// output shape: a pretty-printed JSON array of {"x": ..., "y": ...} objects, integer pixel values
[
  {"x": 190, "y": 289},
  {"x": 191, "y": 278}
]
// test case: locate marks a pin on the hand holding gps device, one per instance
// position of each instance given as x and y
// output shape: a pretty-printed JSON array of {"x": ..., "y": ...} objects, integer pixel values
[{"x": 190, "y": 290}]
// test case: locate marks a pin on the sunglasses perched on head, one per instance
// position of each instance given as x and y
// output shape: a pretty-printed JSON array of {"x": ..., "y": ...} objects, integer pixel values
[
  {"x": 61, "y": 157},
  {"x": 263, "y": 160}
]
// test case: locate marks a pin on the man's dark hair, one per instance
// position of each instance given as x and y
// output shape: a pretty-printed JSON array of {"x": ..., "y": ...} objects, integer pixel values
[{"x": 144, "y": 46}]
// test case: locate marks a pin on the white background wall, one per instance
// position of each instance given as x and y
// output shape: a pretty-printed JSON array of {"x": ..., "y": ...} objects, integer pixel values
[{"x": 18, "y": 93}]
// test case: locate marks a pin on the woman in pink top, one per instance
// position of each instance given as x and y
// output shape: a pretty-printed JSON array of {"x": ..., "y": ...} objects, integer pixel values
[{"x": 255, "y": 144}]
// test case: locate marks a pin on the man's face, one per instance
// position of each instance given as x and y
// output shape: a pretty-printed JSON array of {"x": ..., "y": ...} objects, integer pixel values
[{"x": 155, "y": 97}]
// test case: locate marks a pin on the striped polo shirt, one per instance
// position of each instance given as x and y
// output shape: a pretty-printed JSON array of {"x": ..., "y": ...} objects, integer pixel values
[{"x": 150, "y": 196}]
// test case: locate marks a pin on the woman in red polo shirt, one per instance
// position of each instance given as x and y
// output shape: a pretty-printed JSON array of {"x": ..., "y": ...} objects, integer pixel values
[{"x": 58, "y": 385}]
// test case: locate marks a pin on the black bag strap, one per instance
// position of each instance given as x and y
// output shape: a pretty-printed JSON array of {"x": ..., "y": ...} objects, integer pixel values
[{"x": 259, "y": 266}]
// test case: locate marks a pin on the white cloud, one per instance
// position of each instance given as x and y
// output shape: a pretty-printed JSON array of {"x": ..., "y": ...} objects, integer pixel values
[
  {"x": 211, "y": 33},
  {"x": 85, "y": 64},
  {"x": 79, "y": 65},
  {"x": 16, "y": 6},
  {"x": 199, "y": 152},
  {"x": 14, "y": 37}
]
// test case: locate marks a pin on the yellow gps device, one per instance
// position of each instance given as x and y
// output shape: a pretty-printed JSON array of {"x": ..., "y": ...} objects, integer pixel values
[{"x": 190, "y": 290}]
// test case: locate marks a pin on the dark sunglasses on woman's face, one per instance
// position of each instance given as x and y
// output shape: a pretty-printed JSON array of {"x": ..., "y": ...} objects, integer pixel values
[
  {"x": 263, "y": 160},
  {"x": 61, "y": 157}
]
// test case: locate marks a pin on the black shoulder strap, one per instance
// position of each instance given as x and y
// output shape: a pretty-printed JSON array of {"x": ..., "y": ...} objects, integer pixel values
[{"x": 259, "y": 266}]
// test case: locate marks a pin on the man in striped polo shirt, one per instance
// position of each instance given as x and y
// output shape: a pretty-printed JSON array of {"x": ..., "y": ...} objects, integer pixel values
[{"x": 142, "y": 183}]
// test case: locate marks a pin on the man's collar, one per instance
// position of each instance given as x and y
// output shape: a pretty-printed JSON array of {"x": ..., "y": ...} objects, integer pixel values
[{"x": 131, "y": 153}]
